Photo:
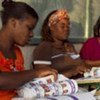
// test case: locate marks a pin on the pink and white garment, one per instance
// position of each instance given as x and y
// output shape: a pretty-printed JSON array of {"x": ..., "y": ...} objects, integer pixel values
[{"x": 46, "y": 87}]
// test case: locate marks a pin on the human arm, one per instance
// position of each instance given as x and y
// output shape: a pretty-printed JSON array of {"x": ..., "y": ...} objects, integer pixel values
[
  {"x": 44, "y": 67},
  {"x": 13, "y": 80},
  {"x": 61, "y": 62},
  {"x": 93, "y": 63},
  {"x": 75, "y": 70},
  {"x": 77, "y": 65}
]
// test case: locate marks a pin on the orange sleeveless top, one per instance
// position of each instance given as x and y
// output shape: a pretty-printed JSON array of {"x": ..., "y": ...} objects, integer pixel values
[{"x": 10, "y": 65}]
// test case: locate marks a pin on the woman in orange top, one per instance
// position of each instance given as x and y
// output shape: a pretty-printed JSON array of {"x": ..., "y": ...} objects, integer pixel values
[{"x": 18, "y": 21}]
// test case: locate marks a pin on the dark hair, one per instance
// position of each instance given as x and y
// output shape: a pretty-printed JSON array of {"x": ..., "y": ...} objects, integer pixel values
[
  {"x": 18, "y": 10},
  {"x": 97, "y": 28},
  {"x": 45, "y": 32}
]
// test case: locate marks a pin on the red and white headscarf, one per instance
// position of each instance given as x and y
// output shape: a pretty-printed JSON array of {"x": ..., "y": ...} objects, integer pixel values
[{"x": 59, "y": 15}]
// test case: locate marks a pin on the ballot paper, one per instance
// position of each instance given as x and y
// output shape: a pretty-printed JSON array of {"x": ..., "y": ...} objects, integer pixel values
[
  {"x": 77, "y": 96},
  {"x": 46, "y": 87},
  {"x": 94, "y": 72}
]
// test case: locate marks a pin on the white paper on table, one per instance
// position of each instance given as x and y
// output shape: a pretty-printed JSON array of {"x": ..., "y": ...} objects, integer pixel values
[
  {"x": 41, "y": 87},
  {"x": 77, "y": 96},
  {"x": 94, "y": 72}
]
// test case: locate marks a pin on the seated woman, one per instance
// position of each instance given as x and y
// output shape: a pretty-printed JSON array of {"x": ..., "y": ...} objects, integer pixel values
[
  {"x": 56, "y": 51},
  {"x": 18, "y": 21},
  {"x": 90, "y": 51}
]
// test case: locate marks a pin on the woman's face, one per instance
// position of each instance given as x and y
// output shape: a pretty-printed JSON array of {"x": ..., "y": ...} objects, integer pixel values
[
  {"x": 60, "y": 30},
  {"x": 24, "y": 30}
]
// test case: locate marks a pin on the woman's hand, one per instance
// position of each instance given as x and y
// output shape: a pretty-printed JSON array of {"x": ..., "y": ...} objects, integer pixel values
[
  {"x": 42, "y": 72},
  {"x": 76, "y": 69},
  {"x": 82, "y": 68}
]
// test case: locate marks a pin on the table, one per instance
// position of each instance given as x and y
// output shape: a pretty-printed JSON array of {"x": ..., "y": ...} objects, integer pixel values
[{"x": 90, "y": 81}]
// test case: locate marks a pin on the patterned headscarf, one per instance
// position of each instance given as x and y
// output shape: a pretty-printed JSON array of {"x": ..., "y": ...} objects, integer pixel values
[{"x": 59, "y": 15}]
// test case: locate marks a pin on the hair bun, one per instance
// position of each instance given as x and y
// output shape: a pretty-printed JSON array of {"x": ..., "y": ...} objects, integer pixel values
[{"x": 5, "y": 3}]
